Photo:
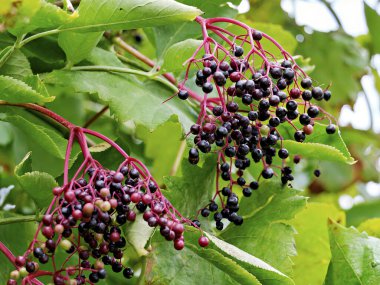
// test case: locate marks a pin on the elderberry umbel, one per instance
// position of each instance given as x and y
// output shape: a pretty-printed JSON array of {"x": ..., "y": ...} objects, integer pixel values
[
  {"x": 89, "y": 216},
  {"x": 251, "y": 97}
]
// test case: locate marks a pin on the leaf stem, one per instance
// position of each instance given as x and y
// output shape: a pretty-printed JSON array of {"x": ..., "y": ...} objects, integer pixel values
[
  {"x": 122, "y": 44},
  {"x": 22, "y": 219},
  {"x": 37, "y": 36},
  {"x": 149, "y": 75}
]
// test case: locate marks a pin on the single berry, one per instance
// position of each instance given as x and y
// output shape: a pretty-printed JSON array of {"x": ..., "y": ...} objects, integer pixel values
[
  {"x": 203, "y": 241},
  {"x": 330, "y": 129}
]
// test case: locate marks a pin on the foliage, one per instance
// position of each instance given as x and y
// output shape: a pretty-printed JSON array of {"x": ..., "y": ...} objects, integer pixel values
[{"x": 118, "y": 54}]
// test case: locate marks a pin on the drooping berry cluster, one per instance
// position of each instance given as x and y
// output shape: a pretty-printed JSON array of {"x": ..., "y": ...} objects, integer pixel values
[
  {"x": 88, "y": 216},
  {"x": 249, "y": 97}
]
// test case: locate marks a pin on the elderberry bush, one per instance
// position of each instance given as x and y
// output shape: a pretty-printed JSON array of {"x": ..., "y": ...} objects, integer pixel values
[{"x": 249, "y": 95}]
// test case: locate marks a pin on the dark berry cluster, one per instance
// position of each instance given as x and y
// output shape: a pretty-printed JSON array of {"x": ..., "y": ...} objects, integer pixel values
[
  {"x": 87, "y": 220},
  {"x": 247, "y": 98}
]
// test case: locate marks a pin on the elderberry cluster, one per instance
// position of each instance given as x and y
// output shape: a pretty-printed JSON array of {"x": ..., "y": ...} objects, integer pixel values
[
  {"x": 88, "y": 221},
  {"x": 247, "y": 108}
]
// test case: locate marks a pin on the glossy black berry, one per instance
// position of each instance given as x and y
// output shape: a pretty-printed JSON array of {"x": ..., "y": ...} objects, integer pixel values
[
  {"x": 247, "y": 192},
  {"x": 299, "y": 136},
  {"x": 254, "y": 185},
  {"x": 330, "y": 129},
  {"x": 304, "y": 119},
  {"x": 306, "y": 95},
  {"x": 267, "y": 173},
  {"x": 128, "y": 273},
  {"x": 257, "y": 35},
  {"x": 205, "y": 212},
  {"x": 238, "y": 51},
  {"x": 327, "y": 95},
  {"x": 217, "y": 111},
  {"x": 313, "y": 111},
  {"x": 283, "y": 153},
  {"x": 252, "y": 115},
  {"x": 317, "y": 93},
  {"x": 213, "y": 207},
  {"x": 183, "y": 94},
  {"x": 207, "y": 87},
  {"x": 317, "y": 172},
  {"x": 291, "y": 105},
  {"x": 306, "y": 83}
]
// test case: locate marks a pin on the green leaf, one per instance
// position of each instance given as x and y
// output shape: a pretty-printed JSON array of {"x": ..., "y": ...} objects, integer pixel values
[
  {"x": 264, "y": 272},
  {"x": 47, "y": 16},
  {"x": 166, "y": 36},
  {"x": 355, "y": 257},
  {"x": 363, "y": 211},
  {"x": 38, "y": 185},
  {"x": 50, "y": 141},
  {"x": 163, "y": 153},
  {"x": 178, "y": 53},
  {"x": 266, "y": 232},
  {"x": 77, "y": 46},
  {"x": 196, "y": 182},
  {"x": 318, "y": 145},
  {"x": 100, "y": 15},
  {"x": 128, "y": 98},
  {"x": 341, "y": 53},
  {"x": 138, "y": 234},
  {"x": 373, "y": 22},
  {"x": 221, "y": 262},
  {"x": 97, "y": 16},
  {"x": 17, "y": 238},
  {"x": 371, "y": 227},
  {"x": 168, "y": 266},
  {"x": 16, "y": 91},
  {"x": 16, "y": 66},
  {"x": 5, "y": 134},
  {"x": 19, "y": 20},
  {"x": 312, "y": 242}
]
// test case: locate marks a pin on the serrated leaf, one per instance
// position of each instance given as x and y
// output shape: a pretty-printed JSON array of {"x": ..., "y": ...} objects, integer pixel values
[
  {"x": 15, "y": 91},
  {"x": 266, "y": 232},
  {"x": 178, "y": 53},
  {"x": 355, "y": 257},
  {"x": 196, "y": 182},
  {"x": 264, "y": 272},
  {"x": 312, "y": 241},
  {"x": 127, "y": 97},
  {"x": 16, "y": 66},
  {"x": 221, "y": 262},
  {"x": 38, "y": 185},
  {"x": 97, "y": 16},
  {"x": 318, "y": 145}
]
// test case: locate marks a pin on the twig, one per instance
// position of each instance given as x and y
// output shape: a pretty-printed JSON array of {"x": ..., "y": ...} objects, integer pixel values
[
  {"x": 95, "y": 117},
  {"x": 328, "y": 6}
]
